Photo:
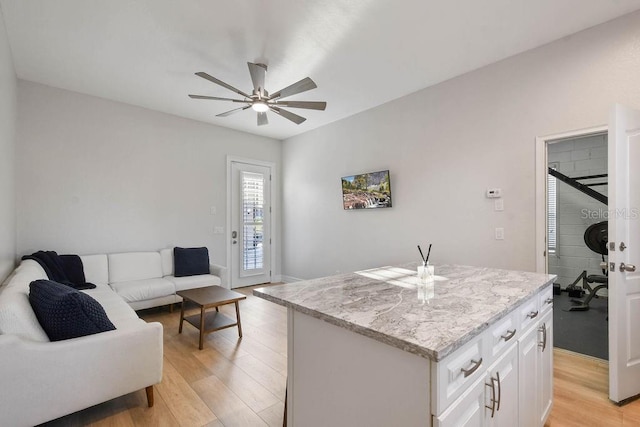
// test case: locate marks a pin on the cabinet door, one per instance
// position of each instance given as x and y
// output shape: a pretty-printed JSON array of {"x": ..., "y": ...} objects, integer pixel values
[
  {"x": 545, "y": 364},
  {"x": 528, "y": 384},
  {"x": 467, "y": 411},
  {"x": 503, "y": 380}
]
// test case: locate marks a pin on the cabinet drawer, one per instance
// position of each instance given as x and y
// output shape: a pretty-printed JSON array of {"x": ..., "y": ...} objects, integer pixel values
[
  {"x": 456, "y": 372},
  {"x": 546, "y": 299},
  {"x": 501, "y": 335},
  {"x": 529, "y": 314}
]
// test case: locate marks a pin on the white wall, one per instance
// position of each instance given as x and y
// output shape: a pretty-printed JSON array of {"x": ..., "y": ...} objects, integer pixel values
[
  {"x": 100, "y": 176},
  {"x": 7, "y": 155},
  {"x": 575, "y": 210},
  {"x": 445, "y": 146}
]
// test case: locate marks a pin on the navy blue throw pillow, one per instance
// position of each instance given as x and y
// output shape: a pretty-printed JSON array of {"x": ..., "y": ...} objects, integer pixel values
[
  {"x": 64, "y": 312},
  {"x": 190, "y": 261}
]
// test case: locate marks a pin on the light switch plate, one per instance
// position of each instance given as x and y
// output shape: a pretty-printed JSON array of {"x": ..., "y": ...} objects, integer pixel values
[
  {"x": 499, "y": 233},
  {"x": 218, "y": 230},
  {"x": 498, "y": 205}
]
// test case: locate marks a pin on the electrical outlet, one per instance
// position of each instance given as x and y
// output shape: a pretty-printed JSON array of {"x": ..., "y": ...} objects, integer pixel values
[
  {"x": 218, "y": 230},
  {"x": 499, "y": 233},
  {"x": 213, "y": 210}
]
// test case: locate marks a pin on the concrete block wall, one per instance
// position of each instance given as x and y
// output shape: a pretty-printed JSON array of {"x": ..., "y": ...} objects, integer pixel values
[{"x": 576, "y": 210}]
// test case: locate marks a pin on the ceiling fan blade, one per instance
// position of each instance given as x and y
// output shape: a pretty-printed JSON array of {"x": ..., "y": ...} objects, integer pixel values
[
  {"x": 298, "y": 87},
  {"x": 288, "y": 115},
  {"x": 258, "y": 72},
  {"x": 262, "y": 119},
  {"x": 230, "y": 112},
  {"x": 216, "y": 98},
  {"x": 310, "y": 105},
  {"x": 221, "y": 83}
]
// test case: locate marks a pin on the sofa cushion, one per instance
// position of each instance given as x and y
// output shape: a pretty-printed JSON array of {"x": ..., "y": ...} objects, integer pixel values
[
  {"x": 118, "y": 311},
  {"x": 17, "y": 316},
  {"x": 140, "y": 290},
  {"x": 167, "y": 261},
  {"x": 191, "y": 282},
  {"x": 96, "y": 269},
  {"x": 124, "y": 267},
  {"x": 190, "y": 261},
  {"x": 28, "y": 271},
  {"x": 65, "y": 313}
]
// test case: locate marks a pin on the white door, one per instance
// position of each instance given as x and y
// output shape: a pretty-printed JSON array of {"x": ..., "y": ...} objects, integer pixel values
[
  {"x": 624, "y": 250},
  {"x": 250, "y": 224}
]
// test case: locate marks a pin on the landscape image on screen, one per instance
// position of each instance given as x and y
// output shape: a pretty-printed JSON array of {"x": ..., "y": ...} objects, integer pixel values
[{"x": 366, "y": 191}]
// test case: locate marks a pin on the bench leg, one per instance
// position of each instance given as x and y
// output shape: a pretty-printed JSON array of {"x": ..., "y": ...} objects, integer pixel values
[{"x": 150, "y": 396}]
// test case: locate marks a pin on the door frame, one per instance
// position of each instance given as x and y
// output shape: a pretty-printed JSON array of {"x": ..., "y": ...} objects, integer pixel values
[
  {"x": 274, "y": 213},
  {"x": 541, "y": 186}
]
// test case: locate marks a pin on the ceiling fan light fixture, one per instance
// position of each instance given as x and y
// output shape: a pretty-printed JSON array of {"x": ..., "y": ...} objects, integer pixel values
[
  {"x": 260, "y": 106},
  {"x": 260, "y": 101}
]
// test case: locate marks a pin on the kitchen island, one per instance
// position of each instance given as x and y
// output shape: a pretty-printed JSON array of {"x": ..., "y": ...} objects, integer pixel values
[{"x": 376, "y": 348}]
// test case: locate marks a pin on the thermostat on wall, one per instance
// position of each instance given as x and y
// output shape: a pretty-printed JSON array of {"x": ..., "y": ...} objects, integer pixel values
[{"x": 494, "y": 193}]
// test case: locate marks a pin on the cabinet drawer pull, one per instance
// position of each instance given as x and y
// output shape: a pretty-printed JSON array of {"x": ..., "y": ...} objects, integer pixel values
[
  {"x": 533, "y": 314},
  {"x": 510, "y": 333},
  {"x": 549, "y": 300},
  {"x": 471, "y": 370}
]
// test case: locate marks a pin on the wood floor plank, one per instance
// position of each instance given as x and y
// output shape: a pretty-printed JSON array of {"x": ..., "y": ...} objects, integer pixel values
[
  {"x": 180, "y": 351},
  {"x": 143, "y": 416},
  {"x": 273, "y": 415},
  {"x": 227, "y": 406},
  {"x": 271, "y": 379},
  {"x": 244, "y": 386},
  {"x": 183, "y": 402}
]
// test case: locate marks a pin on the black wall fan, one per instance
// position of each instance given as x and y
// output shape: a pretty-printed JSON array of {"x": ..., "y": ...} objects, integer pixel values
[{"x": 260, "y": 100}]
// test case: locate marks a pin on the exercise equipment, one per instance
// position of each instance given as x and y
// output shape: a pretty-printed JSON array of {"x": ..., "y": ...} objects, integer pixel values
[{"x": 596, "y": 238}]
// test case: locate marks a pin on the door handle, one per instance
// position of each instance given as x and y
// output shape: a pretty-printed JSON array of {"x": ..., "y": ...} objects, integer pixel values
[
  {"x": 630, "y": 268},
  {"x": 543, "y": 329},
  {"x": 499, "y": 390},
  {"x": 493, "y": 397}
]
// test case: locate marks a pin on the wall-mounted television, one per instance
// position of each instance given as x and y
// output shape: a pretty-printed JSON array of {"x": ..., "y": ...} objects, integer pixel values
[{"x": 366, "y": 191}]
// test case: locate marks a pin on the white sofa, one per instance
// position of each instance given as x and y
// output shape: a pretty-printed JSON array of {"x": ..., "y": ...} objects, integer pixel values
[
  {"x": 43, "y": 380},
  {"x": 145, "y": 279}
]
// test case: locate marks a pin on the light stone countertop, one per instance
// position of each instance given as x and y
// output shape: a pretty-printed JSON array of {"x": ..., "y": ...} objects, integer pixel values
[{"x": 387, "y": 305}]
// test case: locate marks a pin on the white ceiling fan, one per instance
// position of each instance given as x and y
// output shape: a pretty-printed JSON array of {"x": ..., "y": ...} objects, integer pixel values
[{"x": 260, "y": 100}]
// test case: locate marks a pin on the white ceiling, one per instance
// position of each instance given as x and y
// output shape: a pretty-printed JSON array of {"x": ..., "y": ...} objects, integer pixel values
[{"x": 361, "y": 53}]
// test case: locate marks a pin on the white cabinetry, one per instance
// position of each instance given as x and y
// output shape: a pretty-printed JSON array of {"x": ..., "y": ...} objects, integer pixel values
[
  {"x": 517, "y": 387},
  {"x": 492, "y": 401},
  {"x": 501, "y": 397},
  {"x": 545, "y": 363},
  {"x": 500, "y": 378},
  {"x": 535, "y": 355},
  {"x": 467, "y": 411}
]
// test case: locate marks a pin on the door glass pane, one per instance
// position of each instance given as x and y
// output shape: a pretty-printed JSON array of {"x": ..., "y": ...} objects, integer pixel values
[{"x": 252, "y": 219}]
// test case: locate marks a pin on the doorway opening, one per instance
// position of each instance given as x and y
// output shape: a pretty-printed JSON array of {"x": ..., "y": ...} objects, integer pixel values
[{"x": 576, "y": 235}]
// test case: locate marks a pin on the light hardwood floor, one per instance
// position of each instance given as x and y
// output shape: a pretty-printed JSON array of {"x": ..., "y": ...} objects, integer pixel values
[{"x": 241, "y": 383}]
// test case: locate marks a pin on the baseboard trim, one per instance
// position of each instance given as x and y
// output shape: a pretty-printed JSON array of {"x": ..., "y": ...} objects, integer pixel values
[{"x": 289, "y": 279}]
